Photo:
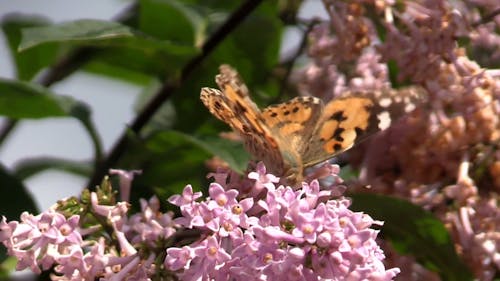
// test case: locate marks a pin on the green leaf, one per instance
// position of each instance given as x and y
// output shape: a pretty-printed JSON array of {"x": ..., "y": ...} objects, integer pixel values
[
  {"x": 30, "y": 62},
  {"x": 172, "y": 20},
  {"x": 412, "y": 230},
  {"x": 76, "y": 31},
  {"x": 117, "y": 72},
  {"x": 99, "y": 33},
  {"x": 254, "y": 56},
  {"x": 29, "y": 100},
  {"x": 8, "y": 264},
  {"x": 393, "y": 73},
  {"x": 27, "y": 168},
  {"x": 230, "y": 151},
  {"x": 116, "y": 41},
  {"x": 347, "y": 173},
  {"x": 15, "y": 199},
  {"x": 168, "y": 161}
]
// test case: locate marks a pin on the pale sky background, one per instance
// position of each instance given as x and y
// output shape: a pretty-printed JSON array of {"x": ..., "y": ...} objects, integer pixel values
[{"x": 111, "y": 100}]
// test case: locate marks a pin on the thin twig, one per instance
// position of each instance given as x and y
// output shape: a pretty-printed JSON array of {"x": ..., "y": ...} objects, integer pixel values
[{"x": 168, "y": 88}]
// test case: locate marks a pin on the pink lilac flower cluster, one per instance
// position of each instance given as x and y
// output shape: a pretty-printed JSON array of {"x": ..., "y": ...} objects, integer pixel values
[
  {"x": 108, "y": 247},
  {"x": 37, "y": 242},
  {"x": 284, "y": 234},
  {"x": 50, "y": 239},
  {"x": 448, "y": 149},
  {"x": 281, "y": 233},
  {"x": 346, "y": 61}
]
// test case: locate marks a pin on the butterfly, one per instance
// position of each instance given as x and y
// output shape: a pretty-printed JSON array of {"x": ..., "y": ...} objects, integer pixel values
[{"x": 303, "y": 131}]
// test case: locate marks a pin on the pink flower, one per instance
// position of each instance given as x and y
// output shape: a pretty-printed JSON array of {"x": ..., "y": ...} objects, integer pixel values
[
  {"x": 37, "y": 241},
  {"x": 178, "y": 258},
  {"x": 187, "y": 197},
  {"x": 126, "y": 178},
  {"x": 280, "y": 238},
  {"x": 149, "y": 225},
  {"x": 262, "y": 179}
]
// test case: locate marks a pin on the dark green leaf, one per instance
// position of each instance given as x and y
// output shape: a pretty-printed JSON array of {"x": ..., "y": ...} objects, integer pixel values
[
  {"x": 30, "y": 62},
  {"x": 412, "y": 230},
  {"x": 347, "y": 173},
  {"x": 168, "y": 161},
  {"x": 220, "y": 6},
  {"x": 117, "y": 42},
  {"x": 15, "y": 199},
  {"x": 172, "y": 20},
  {"x": 99, "y": 33},
  {"x": 118, "y": 72},
  {"x": 393, "y": 73},
  {"x": 231, "y": 152},
  {"x": 152, "y": 63},
  {"x": 29, "y": 100},
  {"x": 75, "y": 31},
  {"x": 254, "y": 56}
]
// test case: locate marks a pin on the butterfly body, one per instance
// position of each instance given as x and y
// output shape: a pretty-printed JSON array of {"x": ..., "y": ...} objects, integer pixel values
[{"x": 297, "y": 134}]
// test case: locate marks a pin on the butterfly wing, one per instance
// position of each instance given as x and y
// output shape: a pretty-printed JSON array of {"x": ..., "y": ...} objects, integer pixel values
[
  {"x": 233, "y": 106},
  {"x": 350, "y": 119},
  {"x": 342, "y": 121},
  {"x": 291, "y": 123},
  {"x": 217, "y": 103}
]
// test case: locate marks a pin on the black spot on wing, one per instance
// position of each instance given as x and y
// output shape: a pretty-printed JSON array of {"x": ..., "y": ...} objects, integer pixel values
[
  {"x": 245, "y": 129},
  {"x": 240, "y": 107},
  {"x": 338, "y": 116},
  {"x": 358, "y": 131},
  {"x": 337, "y": 147},
  {"x": 337, "y": 134},
  {"x": 217, "y": 105}
]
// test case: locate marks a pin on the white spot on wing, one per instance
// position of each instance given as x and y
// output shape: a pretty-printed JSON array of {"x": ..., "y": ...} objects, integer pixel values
[
  {"x": 409, "y": 107},
  {"x": 385, "y": 102},
  {"x": 384, "y": 120}
]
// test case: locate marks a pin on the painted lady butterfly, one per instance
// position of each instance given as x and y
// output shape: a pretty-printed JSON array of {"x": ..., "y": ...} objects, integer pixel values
[{"x": 302, "y": 132}]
